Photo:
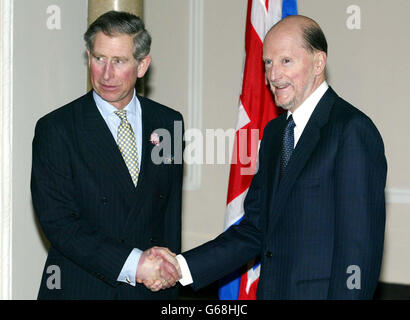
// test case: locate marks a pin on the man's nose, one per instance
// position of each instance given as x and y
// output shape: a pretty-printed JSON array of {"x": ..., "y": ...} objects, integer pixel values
[
  {"x": 108, "y": 71},
  {"x": 274, "y": 74}
]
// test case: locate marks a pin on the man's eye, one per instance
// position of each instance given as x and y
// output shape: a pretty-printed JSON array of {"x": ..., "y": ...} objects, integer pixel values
[
  {"x": 268, "y": 63},
  {"x": 286, "y": 60}
]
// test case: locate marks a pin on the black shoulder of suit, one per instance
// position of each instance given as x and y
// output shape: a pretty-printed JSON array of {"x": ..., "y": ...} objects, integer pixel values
[{"x": 158, "y": 108}]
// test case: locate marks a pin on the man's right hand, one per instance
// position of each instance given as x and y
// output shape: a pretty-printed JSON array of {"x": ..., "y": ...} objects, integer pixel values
[{"x": 158, "y": 269}]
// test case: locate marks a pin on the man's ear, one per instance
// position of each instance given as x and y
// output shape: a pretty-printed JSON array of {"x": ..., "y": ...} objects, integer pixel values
[
  {"x": 320, "y": 62},
  {"x": 143, "y": 66},
  {"x": 89, "y": 58}
]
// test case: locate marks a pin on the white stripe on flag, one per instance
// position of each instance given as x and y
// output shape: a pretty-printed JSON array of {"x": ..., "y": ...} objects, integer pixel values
[
  {"x": 243, "y": 118},
  {"x": 253, "y": 275},
  {"x": 234, "y": 210},
  {"x": 261, "y": 20},
  {"x": 274, "y": 15},
  {"x": 258, "y": 17}
]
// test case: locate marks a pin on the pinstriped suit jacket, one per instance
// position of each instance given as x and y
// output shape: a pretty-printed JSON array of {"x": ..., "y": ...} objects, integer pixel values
[
  {"x": 326, "y": 214},
  {"x": 88, "y": 207}
]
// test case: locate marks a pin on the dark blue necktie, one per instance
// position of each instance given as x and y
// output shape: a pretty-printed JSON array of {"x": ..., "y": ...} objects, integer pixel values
[{"x": 288, "y": 143}]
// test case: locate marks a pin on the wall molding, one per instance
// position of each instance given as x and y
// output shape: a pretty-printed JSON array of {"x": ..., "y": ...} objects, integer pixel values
[
  {"x": 398, "y": 196},
  {"x": 6, "y": 131},
  {"x": 192, "y": 179}
]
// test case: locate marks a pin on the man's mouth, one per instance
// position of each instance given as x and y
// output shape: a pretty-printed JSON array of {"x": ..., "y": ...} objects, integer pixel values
[
  {"x": 108, "y": 87},
  {"x": 281, "y": 86}
]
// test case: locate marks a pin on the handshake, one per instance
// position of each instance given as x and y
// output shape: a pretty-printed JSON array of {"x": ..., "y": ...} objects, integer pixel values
[{"x": 158, "y": 269}]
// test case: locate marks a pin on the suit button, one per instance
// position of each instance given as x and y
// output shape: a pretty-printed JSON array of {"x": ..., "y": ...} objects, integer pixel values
[
  {"x": 122, "y": 240},
  {"x": 104, "y": 200},
  {"x": 161, "y": 196},
  {"x": 100, "y": 276},
  {"x": 268, "y": 254}
]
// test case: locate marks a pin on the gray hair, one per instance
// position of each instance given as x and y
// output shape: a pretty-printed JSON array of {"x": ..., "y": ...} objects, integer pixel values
[{"x": 117, "y": 22}]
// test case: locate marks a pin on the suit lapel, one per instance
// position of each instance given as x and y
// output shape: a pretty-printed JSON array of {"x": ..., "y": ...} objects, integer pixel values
[
  {"x": 273, "y": 158},
  {"x": 273, "y": 151},
  {"x": 146, "y": 165},
  {"x": 147, "y": 168},
  {"x": 101, "y": 146},
  {"x": 302, "y": 153}
]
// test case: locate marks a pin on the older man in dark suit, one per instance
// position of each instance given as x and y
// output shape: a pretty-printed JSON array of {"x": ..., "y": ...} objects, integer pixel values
[
  {"x": 315, "y": 211},
  {"x": 100, "y": 197}
]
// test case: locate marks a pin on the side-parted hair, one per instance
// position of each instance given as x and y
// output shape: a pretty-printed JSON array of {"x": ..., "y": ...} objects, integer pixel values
[
  {"x": 113, "y": 23},
  {"x": 314, "y": 38}
]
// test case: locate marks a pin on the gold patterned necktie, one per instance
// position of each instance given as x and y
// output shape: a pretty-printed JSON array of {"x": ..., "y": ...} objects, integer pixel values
[{"x": 126, "y": 144}]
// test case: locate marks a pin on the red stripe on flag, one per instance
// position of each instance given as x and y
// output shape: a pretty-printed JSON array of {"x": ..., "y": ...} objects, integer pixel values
[
  {"x": 258, "y": 103},
  {"x": 251, "y": 294}
]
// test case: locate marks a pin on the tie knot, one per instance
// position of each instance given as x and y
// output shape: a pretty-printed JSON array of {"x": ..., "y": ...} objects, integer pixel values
[
  {"x": 290, "y": 123},
  {"x": 122, "y": 114},
  {"x": 288, "y": 144}
]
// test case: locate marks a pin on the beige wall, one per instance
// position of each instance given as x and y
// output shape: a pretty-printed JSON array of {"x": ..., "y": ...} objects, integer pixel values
[
  {"x": 49, "y": 71},
  {"x": 368, "y": 67}
]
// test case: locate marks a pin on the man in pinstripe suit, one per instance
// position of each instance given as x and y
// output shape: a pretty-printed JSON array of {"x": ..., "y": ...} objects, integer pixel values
[
  {"x": 315, "y": 211},
  {"x": 99, "y": 197}
]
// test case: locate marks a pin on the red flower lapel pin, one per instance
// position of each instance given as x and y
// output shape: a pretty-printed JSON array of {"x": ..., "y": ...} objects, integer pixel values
[{"x": 154, "y": 138}]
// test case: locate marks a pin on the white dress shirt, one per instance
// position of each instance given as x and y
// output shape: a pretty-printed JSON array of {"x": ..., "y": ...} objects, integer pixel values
[
  {"x": 302, "y": 114},
  {"x": 301, "y": 117}
]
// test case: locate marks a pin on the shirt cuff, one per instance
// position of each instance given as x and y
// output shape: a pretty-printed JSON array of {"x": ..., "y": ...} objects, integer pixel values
[
  {"x": 186, "y": 274},
  {"x": 129, "y": 270}
]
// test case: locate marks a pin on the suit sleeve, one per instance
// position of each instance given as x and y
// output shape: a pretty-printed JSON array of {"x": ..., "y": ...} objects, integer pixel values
[
  {"x": 360, "y": 177},
  {"x": 236, "y": 246},
  {"x": 54, "y": 200}
]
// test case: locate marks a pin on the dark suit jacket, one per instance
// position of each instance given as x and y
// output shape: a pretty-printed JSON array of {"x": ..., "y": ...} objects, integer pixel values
[
  {"x": 88, "y": 207},
  {"x": 327, "y": 213}
]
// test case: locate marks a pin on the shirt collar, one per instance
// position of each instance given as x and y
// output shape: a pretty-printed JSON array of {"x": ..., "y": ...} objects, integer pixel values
[
  {"x": 106, "y": 109},
  {"x": 302, "y": 114}
]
